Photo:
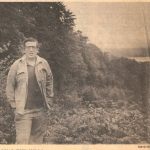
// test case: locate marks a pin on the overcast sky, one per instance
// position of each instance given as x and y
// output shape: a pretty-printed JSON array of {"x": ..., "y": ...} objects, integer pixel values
[{"x": 114, "y": 27}]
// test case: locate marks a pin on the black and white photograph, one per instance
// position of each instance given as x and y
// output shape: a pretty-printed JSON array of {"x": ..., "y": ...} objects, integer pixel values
[{"x": 74, "y": 73}]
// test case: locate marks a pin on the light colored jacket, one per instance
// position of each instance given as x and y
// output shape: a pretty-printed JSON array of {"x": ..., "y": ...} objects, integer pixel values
[{"x": 17, "y": 82}]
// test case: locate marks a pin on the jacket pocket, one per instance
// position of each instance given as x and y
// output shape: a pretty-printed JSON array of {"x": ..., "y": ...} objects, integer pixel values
[{"x": 21, "y": 76}]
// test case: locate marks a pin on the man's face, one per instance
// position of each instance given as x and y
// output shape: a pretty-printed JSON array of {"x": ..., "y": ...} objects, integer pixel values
[{"x": 31, "y": 49}]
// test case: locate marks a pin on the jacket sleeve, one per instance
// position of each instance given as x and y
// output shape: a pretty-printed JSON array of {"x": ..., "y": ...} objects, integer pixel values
[
  {"x": 10, "y": 85},
  {"x": 49, "y": 82}
]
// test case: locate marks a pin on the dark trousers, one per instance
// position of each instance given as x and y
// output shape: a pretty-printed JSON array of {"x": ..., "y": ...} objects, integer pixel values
[{"x": 30, "y": 126}]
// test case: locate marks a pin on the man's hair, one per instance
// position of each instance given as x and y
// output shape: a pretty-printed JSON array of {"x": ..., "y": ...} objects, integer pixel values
[{"x": 30, "y": 39}]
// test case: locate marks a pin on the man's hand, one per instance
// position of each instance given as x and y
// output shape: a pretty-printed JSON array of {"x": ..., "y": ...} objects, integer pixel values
[
  {"x": 13, "y": 110},
  {"x": 12, "y": 107}
]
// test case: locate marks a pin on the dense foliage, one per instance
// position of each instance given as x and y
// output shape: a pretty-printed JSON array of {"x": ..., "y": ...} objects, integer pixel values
[{"x": 99, "y": 98}]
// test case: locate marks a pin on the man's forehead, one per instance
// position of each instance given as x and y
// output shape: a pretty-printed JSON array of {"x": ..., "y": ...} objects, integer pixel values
[{"x": 30, "y": 43}]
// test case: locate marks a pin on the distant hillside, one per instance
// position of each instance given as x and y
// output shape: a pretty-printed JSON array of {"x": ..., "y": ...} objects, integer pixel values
[
  {"x": 134, "y": 52},
  {"x": 140, "y": 59}
]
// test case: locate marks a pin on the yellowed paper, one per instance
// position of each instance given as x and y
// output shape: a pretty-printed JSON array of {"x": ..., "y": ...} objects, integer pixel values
[{"x": 103, "y": 38}]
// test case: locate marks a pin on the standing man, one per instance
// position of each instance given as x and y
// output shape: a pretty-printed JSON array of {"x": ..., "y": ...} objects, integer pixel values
[{"x": 29, "y": 91}]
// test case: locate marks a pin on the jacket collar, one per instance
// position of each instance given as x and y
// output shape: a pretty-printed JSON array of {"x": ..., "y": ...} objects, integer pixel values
[{"x": 38, "y": 60}]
